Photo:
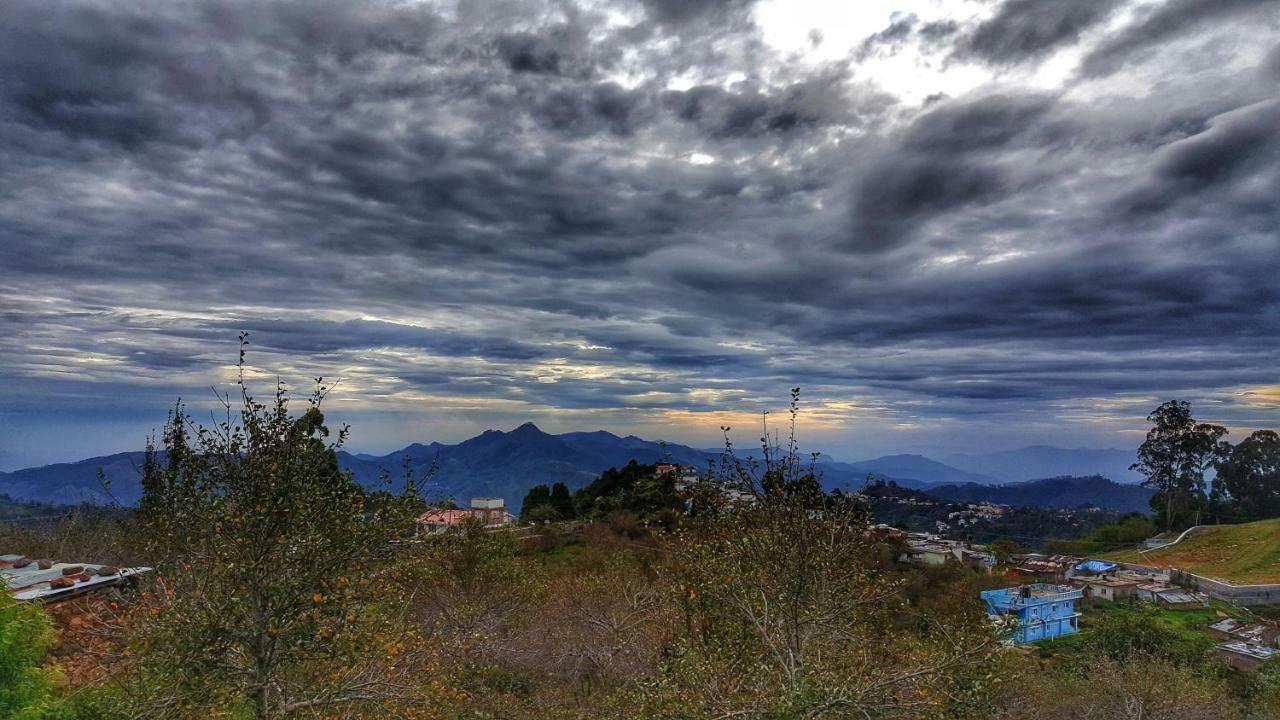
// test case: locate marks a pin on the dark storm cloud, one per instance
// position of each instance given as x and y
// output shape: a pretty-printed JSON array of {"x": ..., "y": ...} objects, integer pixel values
[
  {"x": 947, "y": 159},
  {"x": 518, "y": 209},
  {"x": 1236, "y": 147},
  {"x": 1025, "y": 29},
  {"x": 1168, "y": 21}
]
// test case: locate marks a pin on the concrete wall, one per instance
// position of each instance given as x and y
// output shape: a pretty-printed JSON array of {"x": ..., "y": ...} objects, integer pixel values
[{"x": 1238, "y": 594}]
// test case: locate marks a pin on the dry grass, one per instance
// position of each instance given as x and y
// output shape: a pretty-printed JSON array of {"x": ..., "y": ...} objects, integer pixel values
[{"x": 1244, "y": 554}]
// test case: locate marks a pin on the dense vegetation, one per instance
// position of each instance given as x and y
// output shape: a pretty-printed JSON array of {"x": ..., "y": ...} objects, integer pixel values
[
  {"x": 1179, "y": 451},
  {"x": 283, "y": 589}
]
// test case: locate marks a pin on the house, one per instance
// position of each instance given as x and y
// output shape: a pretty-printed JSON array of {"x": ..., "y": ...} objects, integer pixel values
[
  {"x": 1225, "y": 627},
  {"x": 1107, "y": 587},
  {"x": 1245, "y": 656},
  {"x": 1059, "y": 568},
  {"x": 1255, "y": 633},
  {"x": 1041, "y": 610},
  {"x": 927, "y": 554},
  {"x": 1258, "y": 633},
  {"x": 46, "y": 581},
  {"x": 437, "y": 521},
  {"x": 1170, "y": 596},
  {"x": 490, "y": 511}
]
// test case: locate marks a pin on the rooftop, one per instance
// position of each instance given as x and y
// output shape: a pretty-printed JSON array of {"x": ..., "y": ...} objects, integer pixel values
[
  {"x": 1240, "y": 647},
  {"x": 30, "y": 579},
  {"x": 1034, "y": 594}
]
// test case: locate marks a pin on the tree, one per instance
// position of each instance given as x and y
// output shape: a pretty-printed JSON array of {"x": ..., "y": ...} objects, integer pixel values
[
  {"x": 1004, "y": 549},
  {"x": 1250, "y": 476},
  {"x": 538, "y": 496},
  {"x": 1177, "y": 452},
  {"x": 788, "y": 616},
  {"x": 562, "y": 501},
  {"x": 268, "y": 559}
]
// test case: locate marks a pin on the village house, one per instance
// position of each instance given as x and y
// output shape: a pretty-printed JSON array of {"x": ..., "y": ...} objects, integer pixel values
[
  {"x": 1041, "y": 610},
  {"x": 1245, "y": 656},
  {"x": 1059, "y": 568},
  {"x": 1107, "y": 587},
  {"x": 1170, "y": 596},
  {"x": 1253, "y": 633},
  {"x": 491, "y": 512}
]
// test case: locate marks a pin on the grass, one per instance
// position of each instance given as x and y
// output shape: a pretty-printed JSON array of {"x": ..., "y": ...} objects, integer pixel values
[{"x": 1242, "y": 554}]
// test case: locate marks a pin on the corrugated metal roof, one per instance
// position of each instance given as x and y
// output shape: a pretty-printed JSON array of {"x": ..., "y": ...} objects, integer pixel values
[{"x": 30, "y": 581}]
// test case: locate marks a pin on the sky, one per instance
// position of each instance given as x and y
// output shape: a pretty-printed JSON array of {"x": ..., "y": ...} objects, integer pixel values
[{"x": 957, "y": 225}]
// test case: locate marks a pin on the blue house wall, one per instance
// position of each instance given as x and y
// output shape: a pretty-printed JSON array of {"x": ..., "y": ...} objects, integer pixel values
[{"x": 1043, "y": 610}]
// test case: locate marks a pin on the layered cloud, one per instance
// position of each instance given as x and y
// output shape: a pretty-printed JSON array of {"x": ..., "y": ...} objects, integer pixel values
[{"x": 640, "y": 215}]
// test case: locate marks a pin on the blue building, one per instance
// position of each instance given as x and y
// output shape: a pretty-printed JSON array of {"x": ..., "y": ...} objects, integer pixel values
[{"x": 1042, "y": 610}]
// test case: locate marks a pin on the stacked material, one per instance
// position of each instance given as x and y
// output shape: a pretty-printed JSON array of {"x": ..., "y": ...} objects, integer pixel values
[{"x": 30, "y": 579}]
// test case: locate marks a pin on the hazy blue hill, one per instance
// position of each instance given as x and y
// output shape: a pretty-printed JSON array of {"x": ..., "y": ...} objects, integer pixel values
[
  {"x": 507, "y": 464},
  {"x": 1057, "y": 492},
  {"x": 1043, "y": 461},
  {"x": 613, "y": 451},
  {"x": 77, "y": 482},
  {"x": 916, "y": 467}
]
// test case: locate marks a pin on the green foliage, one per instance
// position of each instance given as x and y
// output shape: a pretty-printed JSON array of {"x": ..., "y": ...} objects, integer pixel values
[
  {"x": 1131, "y": 633},
  {"x": 634, "y": 489},
  {"x": 1248, "y": 481},
  {"x": 1174, "y": 456},
  {"x": 266, "y": 557},
  {"x": 539, "y": 496},
  {"x": 562, "y": 501},
  {"x": 26, "y": 634},
  {"x": 1131, "y": 530},
  {"x": 780, "y": 602}
]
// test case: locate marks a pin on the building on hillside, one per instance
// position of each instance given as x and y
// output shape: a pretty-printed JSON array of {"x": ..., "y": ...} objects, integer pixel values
[
  {"x": 491, "y": 512},
  {"x": 1245, "y": 656},
  {"x": 1059, "y": 568},
  {"x": 1107, "y": 587},
  {"x": 1170, "y": 596},
  {"x": 927, "y": 554},
  {"x": 1042, "y": 610},
  {"x": 29, "y": 579},
  {"x": 1252, "y": 633},
  {"x": 438, "y": 521}
]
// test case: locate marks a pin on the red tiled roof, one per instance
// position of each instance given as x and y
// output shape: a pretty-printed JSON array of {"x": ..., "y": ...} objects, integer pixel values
[{"x": 443, "y": 517}]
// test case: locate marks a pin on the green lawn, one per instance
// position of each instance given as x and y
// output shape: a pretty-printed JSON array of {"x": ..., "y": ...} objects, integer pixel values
[{"x": 1243, "y": 554}]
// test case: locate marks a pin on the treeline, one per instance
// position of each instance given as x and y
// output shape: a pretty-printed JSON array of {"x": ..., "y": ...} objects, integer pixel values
[
  {"x": 1179, "y": 452},
  {"x": 635, "y": 489}
]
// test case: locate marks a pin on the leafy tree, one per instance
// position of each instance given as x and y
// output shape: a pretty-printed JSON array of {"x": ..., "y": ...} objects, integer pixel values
[
  {"x": 267, "y": 558},
  {"x": 1004, "y": 549},
  {"x": 783, "y": 603},
  {"x": 1250, "y": 476},
  {"x": 1177, "y": 452},
  {"x": 538, "y": 496},
  {"x": 539, "y": 514},
  {"x": 562, "y": 501}
]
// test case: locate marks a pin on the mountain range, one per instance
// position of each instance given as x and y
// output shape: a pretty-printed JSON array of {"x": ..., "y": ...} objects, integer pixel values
[{"x": 507, "y": 464}]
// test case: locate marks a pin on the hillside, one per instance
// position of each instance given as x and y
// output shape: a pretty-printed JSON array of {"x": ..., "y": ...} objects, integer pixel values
[
  {"x": 507, "y": 464},
  {"x": 1043, "y": 461},
  {"x": 1247, "y": 553},
  {"x": 1058, "y": 492}
]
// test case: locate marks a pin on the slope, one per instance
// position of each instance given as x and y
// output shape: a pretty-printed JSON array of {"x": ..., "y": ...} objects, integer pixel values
[{"x": 1246, "y": 554}]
